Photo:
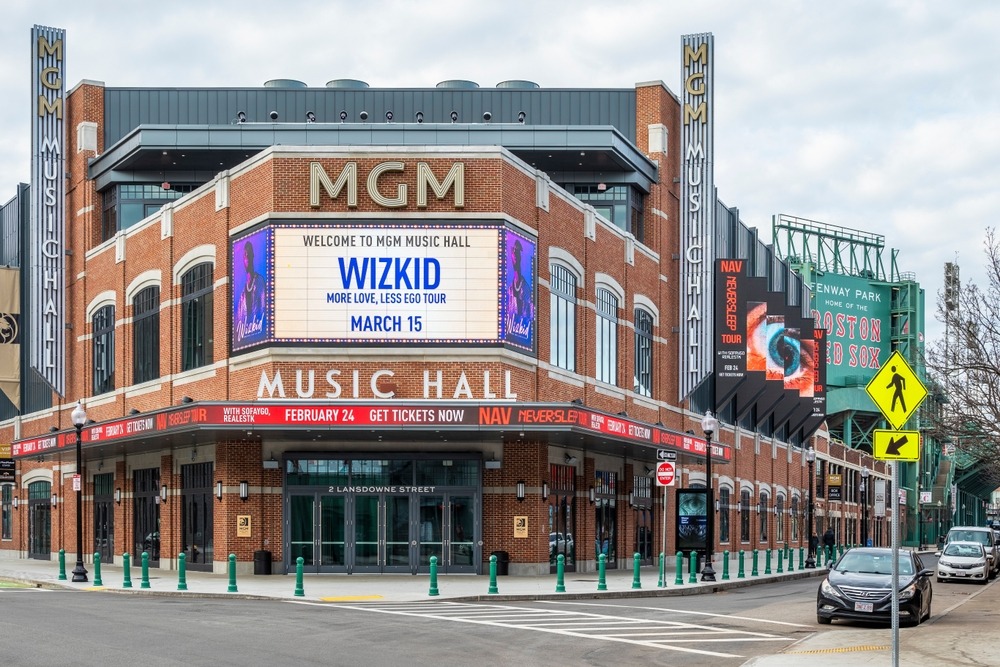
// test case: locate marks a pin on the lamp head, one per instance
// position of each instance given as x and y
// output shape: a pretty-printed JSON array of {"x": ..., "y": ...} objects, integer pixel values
[
  {"x": 520, "y": 117},
  {"x": 810, "y": 455},
  {"x": 454, "y": 116},
  {"x": 487, "y": 116},
  {"x": 363, "y": 115},
  {"x": 79, "y": 415},
  {"x": 420, "y": 116},
  {"x": 273, "y": 115},
  {"x": 388, "y": 116},
  {"x": 343, "y": 116},
  {"x": 310, "y": 117},
  {"x": 864, "y": 473},
  {"x": 709, "y": 424},
  {"x": 241, "y": 117}
]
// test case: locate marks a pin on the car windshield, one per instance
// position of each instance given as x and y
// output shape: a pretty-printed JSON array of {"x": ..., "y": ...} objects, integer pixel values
[
  {"x": 966, "y": 550},
  {"x": 981, "y": 536},
  {"x": 872, "y": 564}
]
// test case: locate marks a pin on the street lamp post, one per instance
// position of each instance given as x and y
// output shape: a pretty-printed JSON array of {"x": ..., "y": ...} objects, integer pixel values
[
  {"x": 709, "y": 424},
  {"x": 811, "y": 459},
  {"x": 79, "y": 417},
  {"x": 864, "y": 506}
]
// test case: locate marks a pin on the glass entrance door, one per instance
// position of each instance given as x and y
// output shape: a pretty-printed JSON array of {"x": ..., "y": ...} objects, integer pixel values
[
  {"x": 317, "y": 527},
  {"x": 446, "y": 526},
  {"x": 104, "y": 517},
  {"x": 39, "y": 521},
  {"x": 383, "y": 540}
]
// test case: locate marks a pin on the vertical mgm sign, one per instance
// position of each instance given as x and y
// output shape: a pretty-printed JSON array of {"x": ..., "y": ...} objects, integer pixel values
[
  {"x": 696, "y": 212},
  {"x": 47, "y": 241}
]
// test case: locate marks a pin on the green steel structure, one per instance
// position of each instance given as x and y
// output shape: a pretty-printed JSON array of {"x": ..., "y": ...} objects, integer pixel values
[{"x": 846, "y": 271}]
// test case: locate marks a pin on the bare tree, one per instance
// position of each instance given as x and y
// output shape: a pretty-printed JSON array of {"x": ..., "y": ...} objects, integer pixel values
[{"x": 965, "y": 364}]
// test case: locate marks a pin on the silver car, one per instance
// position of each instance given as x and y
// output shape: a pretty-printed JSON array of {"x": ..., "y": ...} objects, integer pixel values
[
  {"x": 982, "y": 535},
  {"x": 963, "y": 561}
]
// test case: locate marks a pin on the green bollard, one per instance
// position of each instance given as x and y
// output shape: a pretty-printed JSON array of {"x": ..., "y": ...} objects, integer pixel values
[
  {"x": 635, "y": 571},
  {"x": 661, "y": 582},
  {"x": 741, "y": 573},
  {"x": 232, "y": 574},
  {"x": 62, "y": 565},
  {"x": 97, "y": 569},
  {"x": 300, "y": 564},
  {"x": 767, "y": 561},
  {"x": 725, "y": 566},
  {"x": 144, "y": 583},
  {"x": 693, "y": 567},
  {"x": 561, "y": 574},
  {"x": 126, "y": 570},
  {"x": 788, "y": 555},
  {"x": 602, "y": 565},
  {"x": 679, "y": 579},
  {"x": 434, "y": 577},
  {"x": 802, "y": 558},
  {"x": 781, "y": 561},
  {"x": 182, "y": 572},
  {"x": 493, "y": 590},
  {"x": 753, "y": 570},
  {"x": 791, "y": 560}
]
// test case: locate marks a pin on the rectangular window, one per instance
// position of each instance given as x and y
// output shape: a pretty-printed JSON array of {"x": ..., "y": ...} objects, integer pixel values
[
  {"x": 795, "y": 519},
  {"x": 562, "y": 325},
  {"x": 643, "y": 352},
  {"x": 196, "y": 317},
  {"x": 104, "y": 350},
  {"x": 146, "y": 335},
  {"x": 607, "y": 337}
]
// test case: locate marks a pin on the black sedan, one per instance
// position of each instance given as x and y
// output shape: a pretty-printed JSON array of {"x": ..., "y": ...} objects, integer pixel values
[{"x": 859, "y": 588}]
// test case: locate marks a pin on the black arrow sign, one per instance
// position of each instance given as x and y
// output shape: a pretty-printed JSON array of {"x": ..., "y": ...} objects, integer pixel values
[{"x": 892, "y": 449}]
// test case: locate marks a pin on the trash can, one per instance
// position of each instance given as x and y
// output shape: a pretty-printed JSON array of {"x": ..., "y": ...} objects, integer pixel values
[
  {"x": 503, "y": 562},
  {"x": 262, "y": 562}
]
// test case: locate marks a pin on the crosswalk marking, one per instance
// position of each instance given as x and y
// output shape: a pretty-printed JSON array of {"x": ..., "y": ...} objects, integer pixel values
[{"x": 672, "y": 635}]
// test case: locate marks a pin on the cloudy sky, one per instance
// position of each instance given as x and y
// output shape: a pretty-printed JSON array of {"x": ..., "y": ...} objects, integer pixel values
[{"x": 875, "y": 115}]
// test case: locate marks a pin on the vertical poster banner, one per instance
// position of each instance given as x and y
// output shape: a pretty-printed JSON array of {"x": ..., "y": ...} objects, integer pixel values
[
  {"x": 730, "y": 328},
  {"x": 697, "y": 221},
  {"x": 251, "y": 289},
  {"x": 749, "y": 391},
  {"x": 47, "y": 224},
  {"x": 10, "y": 335},
  {"x": 519, "y": 283},
  {"x": 692, "y": 520}
]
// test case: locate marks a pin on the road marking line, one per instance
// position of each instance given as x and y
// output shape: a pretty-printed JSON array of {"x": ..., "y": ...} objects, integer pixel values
[{"x": 680, "y": 611}]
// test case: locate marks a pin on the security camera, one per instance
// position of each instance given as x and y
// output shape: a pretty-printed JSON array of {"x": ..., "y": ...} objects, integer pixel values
[
  {"x": 454, "y": 116},
  {"x": 343, "y": 116},
  {"x": 388, "y": 116},
  {"x": 273, "y": 115},
  {"x": 520, "y": 116},
  {"x": 487, "y": 116},
  {"x": 310, "y": 117},
  {"x": 363, "y": 115},
  {"x": 420, "y": 116},
  {"x": 241, "y": 117}
]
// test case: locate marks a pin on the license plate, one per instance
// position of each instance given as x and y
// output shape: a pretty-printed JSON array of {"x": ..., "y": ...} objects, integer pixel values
[
  {"x": 864, "y": 606},
  {"x": 961, "y": 574}
]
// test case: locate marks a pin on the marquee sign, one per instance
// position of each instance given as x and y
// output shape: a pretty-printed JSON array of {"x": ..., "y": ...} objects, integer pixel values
[
  {"x": 387, "y": 415},
  {"x": 46, "y": 230},
  {"x": 696, "y": 211},
  {"x": 384, "y": 284}
]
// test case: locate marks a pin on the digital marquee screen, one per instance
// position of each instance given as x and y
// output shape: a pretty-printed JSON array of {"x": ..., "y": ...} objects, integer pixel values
[{"x": 383, "y": 283}]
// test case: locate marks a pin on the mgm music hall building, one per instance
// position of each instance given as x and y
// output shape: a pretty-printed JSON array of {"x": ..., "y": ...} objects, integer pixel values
[{"x": 370, "y": 326}]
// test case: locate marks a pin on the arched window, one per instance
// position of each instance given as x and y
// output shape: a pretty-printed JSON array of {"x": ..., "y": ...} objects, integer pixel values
[
  {"x": 762, "y": 514},
  {"x": 104, "y": 349},
  {"x": 643, "y": 352},
  {"x": 779, "y": 518},
  {"x": 607, "y": 336},
  {"x": 197, "y": 330},
  {"x": 562, "y": 317},
  {"x": 146, "y": 335},
  {"x": 795, "y": 518},
  {"x": 745, "y": 515},
  {"x": 724, "y": 500}
]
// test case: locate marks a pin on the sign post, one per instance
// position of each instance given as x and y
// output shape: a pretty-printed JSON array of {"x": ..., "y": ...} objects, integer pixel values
[
  {"x": 666, "y": 476},
  {"x": 897, "y": 392}
]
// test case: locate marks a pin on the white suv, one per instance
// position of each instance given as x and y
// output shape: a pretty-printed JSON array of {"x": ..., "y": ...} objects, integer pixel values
[{"x": 984, "y": 536}]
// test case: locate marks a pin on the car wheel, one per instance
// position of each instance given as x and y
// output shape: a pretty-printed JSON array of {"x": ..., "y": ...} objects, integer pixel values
[
  {"x": 928, "y": 614},
  {"x": 823, "y": 620}
]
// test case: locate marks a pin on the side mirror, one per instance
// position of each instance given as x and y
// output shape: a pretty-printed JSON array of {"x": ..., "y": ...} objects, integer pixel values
[{"x": 926, "y": 573}]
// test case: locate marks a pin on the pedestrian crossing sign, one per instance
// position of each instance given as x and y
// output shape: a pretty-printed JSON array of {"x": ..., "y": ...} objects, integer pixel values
[{"x": 896, "y": 390}]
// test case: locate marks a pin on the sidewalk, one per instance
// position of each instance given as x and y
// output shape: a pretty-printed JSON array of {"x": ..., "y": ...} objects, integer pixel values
[{"x": 391, "y": 587}]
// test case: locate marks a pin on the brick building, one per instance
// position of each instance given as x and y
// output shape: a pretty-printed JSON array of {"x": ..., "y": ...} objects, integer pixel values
[{"x": 366, "y": 327}]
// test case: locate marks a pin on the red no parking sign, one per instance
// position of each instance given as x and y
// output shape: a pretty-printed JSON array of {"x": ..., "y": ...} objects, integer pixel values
[{"x": 665, "y": 474}]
